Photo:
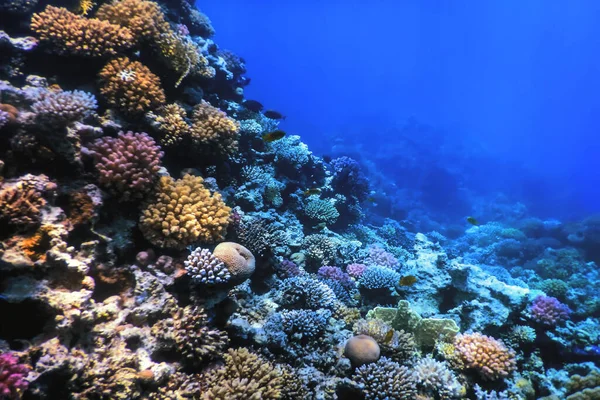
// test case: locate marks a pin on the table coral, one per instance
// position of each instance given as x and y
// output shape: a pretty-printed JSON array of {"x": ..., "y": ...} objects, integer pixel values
[
  {"x": 213, "y": 130},
  {"x": 128, "y": 165},
  {"x": 69, "y": 33},
  {"x": 184, "y": 212},
  {"x": 487, "y": 356},
  {"x": 130, "y": 86}
]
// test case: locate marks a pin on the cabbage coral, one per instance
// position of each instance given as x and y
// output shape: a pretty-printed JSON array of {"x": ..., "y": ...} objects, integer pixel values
[
  {"x": 130, "y": 86},
  {"x": 69, "y": 33},
  {"x": 184, "y": 212}
]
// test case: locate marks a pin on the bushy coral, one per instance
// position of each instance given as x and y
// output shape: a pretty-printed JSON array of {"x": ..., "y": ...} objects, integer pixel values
[
  {"x": 235, "y": 64},
  {"x": 304, "y": 325},
  {"x": 206, "y": 269},
  {"x": 212, "y": 130},
  {"x": 548, "y": 311},
  {"x": 182, "y": 56},
  {"x": 321, "y": 210},
  {"x": 288, "y": 269},
  {"x": 436, "y": 380},
  {"x": 356, "y": 270},
  {"x": 12, "y": 377},
  {"x": 554, "y": 287},
  {"x": 386, "y": 379},
  {"x": 377, "y": 255},
  {"x": 245, "y": 376},
  {"x": 20, "y": 205},
  {"x": 65, "y": 106},
  {"x": 69, "y": 33},
  {"x": 190, "y": 334},
  {"x": 584, "y": 387},
  {"x": 143, "y": 18},
  {"x": 258, "y": 235},
  {"x": 481, "y": 394},
  {"x": 184, "y": 212},
  {"x": 320, "y": 249},
  {"x": 170, "y": 121},
  {"x": 489, "y": 357},
  {"x": 348, "y": 178},
  {"x": 376, "y": 277},
  {"x": 348, "y": 295},
  {"x": 305, "y": 292},
  {"x": 128, "y": 165},
  {"x": 336, "y": 274},
  {"x": 130, "y": 86}
]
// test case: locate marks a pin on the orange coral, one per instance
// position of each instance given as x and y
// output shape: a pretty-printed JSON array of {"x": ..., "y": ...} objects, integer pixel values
[
  {"x": 184, "y": 212},
  {"x": 35, "y": 247},
  {"x": 73, "y": 34},
  {"x": 81, "y": 208},
  {"x": 213, "y": 130},
  {"x": 20, "y": 206},
  {"x": 11, "y": 111},
  {"x": 144, "y": 18},
  {"x": 171, "y": 123},
  {"x": 131, "y": 86},
  {"x": 239, "y": 260},
  {"x": 488, "y": 356}
]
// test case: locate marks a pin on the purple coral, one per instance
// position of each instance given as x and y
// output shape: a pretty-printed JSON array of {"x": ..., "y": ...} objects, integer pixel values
[
  {"x": 378, "y": 256},
  {"x": 204, "y": 268},
  {"x": 549, "y": 311},
  {"x": 336, "y": 274},
  {"x": 349, "y": 179},
  {"x": 12, "y": 377},
  {"x": 128, "y": 165},
  {"x": 356, "y": 270},
  {"x": 65, "y": 107},
  {"x": 287, "y": 269}
]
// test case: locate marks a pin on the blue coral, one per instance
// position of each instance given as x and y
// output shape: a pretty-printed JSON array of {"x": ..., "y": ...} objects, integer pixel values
[
  {"x": 349, "y": 179},
  {"x": 305, "y": 292},
  {"x": 376, "y": 277}
]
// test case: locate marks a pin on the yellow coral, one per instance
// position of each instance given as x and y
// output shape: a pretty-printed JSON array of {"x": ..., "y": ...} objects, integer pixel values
[
  {"x": 171, "y": 123},
  {"x": 488, "y": 356},
  {"x": 73, "y": 34},
  {"x": 131, "y": 86},
  {"x": 85, "y": 6},
  {"x": 183, "y": 213},
  {"x": 144, "y": 18},
  {"x": 213, "y": 130},
  {"x": 183, "y": 57}
]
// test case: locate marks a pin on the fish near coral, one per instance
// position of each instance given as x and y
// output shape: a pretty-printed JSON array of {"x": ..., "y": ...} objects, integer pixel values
[
  {"x": 271, "y": 114},
  {"x": 273, "y": 136},
  {"x": 312, "y": 192},
  {"x": 472, "y": 221},
  {"x": 253, "y": 105},
  {"x": 408, "y": 280}
]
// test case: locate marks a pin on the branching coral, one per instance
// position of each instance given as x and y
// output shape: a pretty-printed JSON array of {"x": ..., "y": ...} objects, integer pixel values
[
  {"x": 321, "y": 210},
  {"x": 20, "y": 205},
  {"x": 12, "y": 377},
  {"x": 182, "y": 56},
  {"x": 204, "y": 268},
  {"x": 320, "y": 249},
  {"x": 130, "y": 86},
  {"x": 548, "y": 311},
  {"x": 170, "y": 121},
  {"x": 189, "y": 333},
  {"x": 386, "y": 379},
  {"x": 65, "y": 107},
  {"x": 245, "y": 376},
  {"x": 305, "y": 292},
  {"x": 304, "y": 325},
  {"x": 484, "y": 354},
  {"x": 128, "y": 165},
  {"x": 69, "y": 33},
  {"x": 184, "y": 212},
  {"x": 143, "y": 18},
  {"x": 434, "y": 378},
  {"x": 213, "y": 130},
  {"x": 377, "y": 277}
]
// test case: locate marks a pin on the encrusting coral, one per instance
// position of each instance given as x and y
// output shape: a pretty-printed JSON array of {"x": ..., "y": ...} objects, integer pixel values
[
  {"x": 184, "y": 212},
  {"x": 69, "y": 33},
  {"x": 130, "y": 86}
]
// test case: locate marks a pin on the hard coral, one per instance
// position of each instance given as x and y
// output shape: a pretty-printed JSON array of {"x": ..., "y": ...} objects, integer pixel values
[
  {"x": 128, "y": 165},
  {"x": 20, "y": 205},
  {"x": 386, "y": 379},
  {"x": 181, "y": 55},
  {"x": 549, "y": 311},
  {"x": 206, "y": 269},
  {"x": 143, "y": 18},
  {"x": 213, "y": 130},
  {"x": 184, "y": 212},
  {"x": 305, "y": 292},
  {"x": 69, "y": 33},
  {"x": 435, "y": 379},
  {"x": 362, "y": 349},
  {"x": 170, "y": 122},
  {"x": 130, "y": 86},
  {"x": 239, "y": 260},
  {"x": 487, "y": 356},
  {"x": 321, "y": 210},
  {"x": 377, "y": 277},
  {"x": 64, "y": 107},
  {"x": 12, "y": 377},
  {"x": 245, "y": 376}
]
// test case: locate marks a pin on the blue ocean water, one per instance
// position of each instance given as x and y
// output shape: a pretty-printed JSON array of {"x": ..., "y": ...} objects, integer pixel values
[{"x": 510, "y": 89}]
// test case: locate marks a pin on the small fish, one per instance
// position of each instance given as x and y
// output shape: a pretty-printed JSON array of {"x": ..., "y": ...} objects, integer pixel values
[
  {"x": 253, "y": 105},
  {"x": 408, "y": 280},
  {"x": 388, "y": 337},
  {"x": 327, "y": 158},
  {"x": 272, "y": 114},
  {"x": 472, "y": 221},
  {"x": 273, "y": 136},
  {"x": 320, "y": 226},
  {"x": 310, "y": 192}
]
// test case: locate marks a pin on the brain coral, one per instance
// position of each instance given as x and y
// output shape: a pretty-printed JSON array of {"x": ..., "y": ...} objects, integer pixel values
[
  {"x": 486, "y": 355},
  {"x": 130, "y": 86},
  {"x": 72, "y": 34},
  {"x": 239, "y": 260},
  {"x": 128, "y": 165},
  {"x": 213, "y": 130},
  {"x": 184, "y": 212},
  {"x": 386, "y": 379},
  {"x": 362, "y": 349},
  {"x": 65, "y": 107}
]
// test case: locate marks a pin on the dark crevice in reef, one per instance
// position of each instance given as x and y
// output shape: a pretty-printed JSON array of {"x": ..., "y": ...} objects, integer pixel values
[
  {"x": 450, "y": 299},
  {"x": 110, "y": 281},
  {"x": 24, "y": 320}
]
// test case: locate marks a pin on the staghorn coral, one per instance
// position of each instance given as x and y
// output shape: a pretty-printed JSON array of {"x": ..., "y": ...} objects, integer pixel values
[
  {"x": 64, "y": 107},
  {"x": 184, "y": 212},
  {"x": 245, "y": 376},
  {"x": 130, "y": 86},
  {"x": 20, "y": 205},
  {"x": 12, "y": 377},
  {"x": 362, "y": 349},
  {"x": 128, "y": 165},
  {"x": 69, "y": 33},
  {"x": 487, "y": 356},
  {"x": 170, "y": 121},
  {"x": 143, "y": 18},
  {"x": 189, "y": 333},
  {"x": 548, "y": 311},
  {"x": 206, "y": 269},
  {"x": 212, "y": 130},
  {"x": 435, "y": 379},
  {"x": 386, "y": 379}
]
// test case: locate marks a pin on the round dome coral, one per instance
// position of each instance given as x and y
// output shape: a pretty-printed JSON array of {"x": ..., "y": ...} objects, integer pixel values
[
  {"x": 239, "y": 260},
  {"x": 362, "y": 349}
]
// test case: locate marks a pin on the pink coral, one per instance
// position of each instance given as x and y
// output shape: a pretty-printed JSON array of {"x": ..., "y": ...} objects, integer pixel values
[
  {"x": 12, "y": 377},
  {"x": 486, "y": 355},
  {"x": 128, "y": 165},
  {"x": 549, "y": 311},
  {"x": 378, "y": 256},
  {"x": 336, "y": 274},
  {"x": 356, "y": 270}
]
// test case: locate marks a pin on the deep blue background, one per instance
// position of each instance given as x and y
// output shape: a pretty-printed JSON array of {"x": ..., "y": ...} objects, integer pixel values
[{"x": 520, "y": 80}]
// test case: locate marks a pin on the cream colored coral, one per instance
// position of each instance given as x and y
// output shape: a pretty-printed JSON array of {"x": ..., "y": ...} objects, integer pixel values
[
  {"x": 171, "y": 123},
  {"x": 213, "y": 130},
  {"x": 488, "y": 356},
  {"x": 144, "y": 18},
  {"x": 73, "y": 34},
  {"x": 239, "y": 260},
  {"x": 184, "y": 212}
]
